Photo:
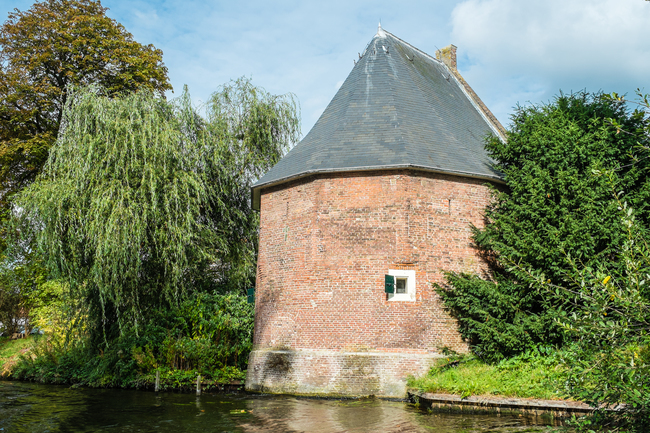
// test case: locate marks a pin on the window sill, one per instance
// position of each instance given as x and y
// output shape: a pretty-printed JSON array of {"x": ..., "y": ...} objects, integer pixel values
[{"x": 402, "y": 298}]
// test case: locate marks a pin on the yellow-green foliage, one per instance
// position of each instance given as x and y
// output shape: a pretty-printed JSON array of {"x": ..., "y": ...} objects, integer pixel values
[{"x": 54, "y": 310}]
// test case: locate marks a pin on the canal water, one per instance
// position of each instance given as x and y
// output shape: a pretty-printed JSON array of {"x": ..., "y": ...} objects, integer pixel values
[{"x": 34, "y": 408}]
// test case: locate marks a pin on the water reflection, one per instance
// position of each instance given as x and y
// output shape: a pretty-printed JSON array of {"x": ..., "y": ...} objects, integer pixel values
[
  {"x": 44, "y": 408},
  {"x": 287, "y": 414}
]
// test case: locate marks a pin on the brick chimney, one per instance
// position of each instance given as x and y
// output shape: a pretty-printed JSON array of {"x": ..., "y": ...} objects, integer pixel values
[{"x": 447, "y": 55}]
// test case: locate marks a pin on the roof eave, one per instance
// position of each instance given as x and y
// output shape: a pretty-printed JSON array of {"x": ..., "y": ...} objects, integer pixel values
[{"x": 256, "y": 189}]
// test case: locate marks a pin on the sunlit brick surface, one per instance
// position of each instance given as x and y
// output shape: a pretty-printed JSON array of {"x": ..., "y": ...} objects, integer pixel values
[{"x": 326, "y": 243}]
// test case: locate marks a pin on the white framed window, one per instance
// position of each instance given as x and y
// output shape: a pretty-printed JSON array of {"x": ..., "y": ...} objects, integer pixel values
[{"x": 404, "y": 285}]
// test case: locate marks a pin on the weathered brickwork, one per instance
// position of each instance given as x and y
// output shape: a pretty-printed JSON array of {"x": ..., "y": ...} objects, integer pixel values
[{"x": 326, "y": 243}]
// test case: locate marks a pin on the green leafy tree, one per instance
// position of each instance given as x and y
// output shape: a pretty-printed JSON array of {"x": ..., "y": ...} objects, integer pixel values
[
  {"x": 553, "y": 213},
  {"x": 143, "y": 202},
  {"x": 54, "y": 44},
  {"x": 608, "y": 360},
  {"x": 20, "y": 279}
]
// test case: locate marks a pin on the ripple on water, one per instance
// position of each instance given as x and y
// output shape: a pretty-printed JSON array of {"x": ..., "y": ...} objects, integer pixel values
[{"x": 33, "y": 408}]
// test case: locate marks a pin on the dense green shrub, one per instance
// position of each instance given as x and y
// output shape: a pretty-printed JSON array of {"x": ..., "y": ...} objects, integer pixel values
[
  {"x": 608, "y": 364},
  {"x": 497, "y": 317},
  {"x": 568, "y": 248},
  {"x": 552, "y": 212}
]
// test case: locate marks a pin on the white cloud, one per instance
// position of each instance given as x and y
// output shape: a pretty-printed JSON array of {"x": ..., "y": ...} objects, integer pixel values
[
  {"x": 147, "y": 18},
  {"x": 531, "y": 50},
  {"x": 294, "y": 46},
  {"x": 510, "y": 51}
]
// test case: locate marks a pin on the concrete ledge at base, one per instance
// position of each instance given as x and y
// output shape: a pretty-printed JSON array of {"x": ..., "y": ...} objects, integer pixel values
[
  {"x": 332, "y": 373},
  {"x": 450, "y": 402}
]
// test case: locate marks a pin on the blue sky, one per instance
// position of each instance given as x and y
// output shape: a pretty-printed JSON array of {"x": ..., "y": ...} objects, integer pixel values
[{"x": 510, "y": 51}]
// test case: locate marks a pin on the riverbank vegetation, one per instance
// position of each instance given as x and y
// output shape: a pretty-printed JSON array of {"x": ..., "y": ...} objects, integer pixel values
[
  {"x": 566, "y": 243},
  {"x": 207, "y": 335},
  {"x": 142, "y": 220}
]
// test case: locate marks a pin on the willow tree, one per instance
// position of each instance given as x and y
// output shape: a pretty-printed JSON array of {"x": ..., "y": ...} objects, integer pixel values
[
  {"x": 45, "y": 49},
  {"x": 143, "y": 201}
]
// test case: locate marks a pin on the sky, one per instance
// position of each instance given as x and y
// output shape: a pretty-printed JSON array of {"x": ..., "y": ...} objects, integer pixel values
[{"x": 511, "y": 52}]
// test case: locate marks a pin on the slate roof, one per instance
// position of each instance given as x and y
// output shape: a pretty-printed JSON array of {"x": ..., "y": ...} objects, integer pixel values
[{"x": 398, "y": 108}]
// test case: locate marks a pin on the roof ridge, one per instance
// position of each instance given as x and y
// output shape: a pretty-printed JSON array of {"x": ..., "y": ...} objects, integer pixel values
[
  {"x": 464, "y": 86},
  {"x": 482, "y": 108},
  {"x": 412, "y": 47}
]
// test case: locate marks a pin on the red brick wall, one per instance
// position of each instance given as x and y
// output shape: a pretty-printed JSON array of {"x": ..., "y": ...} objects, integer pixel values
[{"x": 327, "y": 241}]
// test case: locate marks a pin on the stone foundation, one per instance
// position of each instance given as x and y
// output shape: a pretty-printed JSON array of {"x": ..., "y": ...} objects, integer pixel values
[{"x": 332, "y": 373}]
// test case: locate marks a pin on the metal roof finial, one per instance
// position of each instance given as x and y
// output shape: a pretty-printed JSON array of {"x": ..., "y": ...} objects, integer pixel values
[{"x": 380, "y": 31}]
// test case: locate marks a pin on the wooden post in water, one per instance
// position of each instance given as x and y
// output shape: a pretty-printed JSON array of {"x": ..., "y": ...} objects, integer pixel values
[
  {"x": 198, "y": 385},
  {"x": 157, "y": 386}
]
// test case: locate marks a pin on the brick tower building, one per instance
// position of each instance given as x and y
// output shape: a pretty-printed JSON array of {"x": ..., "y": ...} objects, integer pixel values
[{"x": 383, "y": 188}]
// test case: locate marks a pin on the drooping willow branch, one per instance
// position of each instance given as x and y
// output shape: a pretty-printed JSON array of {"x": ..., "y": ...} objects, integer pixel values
[{"x": 141, "y": 197}]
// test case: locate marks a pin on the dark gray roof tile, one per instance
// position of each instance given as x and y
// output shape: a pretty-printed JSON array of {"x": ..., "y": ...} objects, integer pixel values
[{"x": 400, "y": 108}]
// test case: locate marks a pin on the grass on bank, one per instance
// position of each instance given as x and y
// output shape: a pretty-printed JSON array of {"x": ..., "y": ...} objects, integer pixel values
[
  {"x": 532, "y": 375},
  {"x": 10, "y": 351}
]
